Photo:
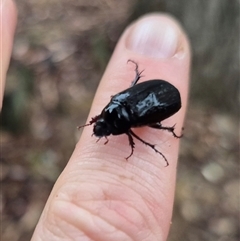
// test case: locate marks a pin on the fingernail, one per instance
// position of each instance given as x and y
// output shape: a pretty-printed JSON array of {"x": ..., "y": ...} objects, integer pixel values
[{"x": 154, "y": 37}]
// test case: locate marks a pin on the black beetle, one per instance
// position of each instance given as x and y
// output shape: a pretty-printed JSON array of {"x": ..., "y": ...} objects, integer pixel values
[{"x": 144, "y": 104}]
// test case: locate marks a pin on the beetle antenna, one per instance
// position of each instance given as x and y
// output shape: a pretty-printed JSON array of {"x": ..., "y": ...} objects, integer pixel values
[
  {"x": 79, "y": 127},
  {"x": 93, "y": 120}
]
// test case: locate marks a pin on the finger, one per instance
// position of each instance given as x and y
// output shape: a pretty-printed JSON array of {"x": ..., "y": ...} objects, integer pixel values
[
  {"x": 100, "y": 195},
  {"x": 8, "y": 19}
]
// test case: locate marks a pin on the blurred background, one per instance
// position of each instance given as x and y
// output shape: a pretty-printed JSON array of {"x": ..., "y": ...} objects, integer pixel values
[{"x": 60, "y": 52}]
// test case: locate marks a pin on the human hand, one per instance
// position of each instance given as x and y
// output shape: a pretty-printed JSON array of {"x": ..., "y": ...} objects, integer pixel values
[
  {"x": 8, "y": 20},
  {"x": 100, "y": 195}
]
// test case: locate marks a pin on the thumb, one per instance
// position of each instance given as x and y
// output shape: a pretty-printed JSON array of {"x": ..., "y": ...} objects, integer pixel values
[{"x": 101, "y": 196}]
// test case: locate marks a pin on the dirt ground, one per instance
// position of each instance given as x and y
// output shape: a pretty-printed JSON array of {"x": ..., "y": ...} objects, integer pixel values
[{"x": 60, "y": 52}]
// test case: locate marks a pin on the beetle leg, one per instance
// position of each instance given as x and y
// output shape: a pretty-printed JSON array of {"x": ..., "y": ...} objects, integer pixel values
[
  {"x": 138, "y": 74},
  {"x": 131, "y": 143},
  {"x": 101, "y": 138},
  {"x": 106, "y": 140},
  {"x": 170, "y": 129},
  {"x": 98, "y": 139},
  {"x": 150, "y": 145}
]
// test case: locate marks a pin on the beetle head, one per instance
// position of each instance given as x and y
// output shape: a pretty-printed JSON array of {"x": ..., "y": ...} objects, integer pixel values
[{"x": 101, "y": 128}]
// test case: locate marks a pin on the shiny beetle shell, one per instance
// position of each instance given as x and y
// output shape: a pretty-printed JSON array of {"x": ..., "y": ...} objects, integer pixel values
[{"x": 144, "y": 104}]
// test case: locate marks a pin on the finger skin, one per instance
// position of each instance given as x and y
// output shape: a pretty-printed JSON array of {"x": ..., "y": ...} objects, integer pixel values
[
  {"x": 8, "y": 20},
  {"x": 100, "y": 195}
]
